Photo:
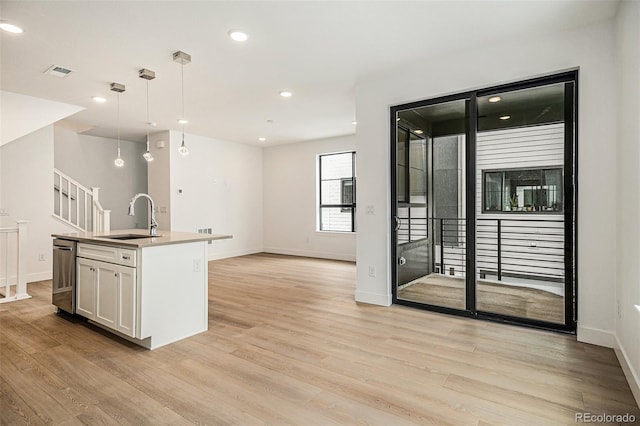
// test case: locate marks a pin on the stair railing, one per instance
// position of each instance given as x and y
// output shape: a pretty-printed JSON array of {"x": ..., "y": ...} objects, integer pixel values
[
  {"x": 79, "y": 206},
  {"x": 13, "y": 262}
]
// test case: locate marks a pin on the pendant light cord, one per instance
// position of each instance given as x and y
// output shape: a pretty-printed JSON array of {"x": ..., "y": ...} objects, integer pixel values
[
  {"x": 148, "y": 123},
  {"x": 118, "y": 109},
  {"x": 182, "y": 80}
]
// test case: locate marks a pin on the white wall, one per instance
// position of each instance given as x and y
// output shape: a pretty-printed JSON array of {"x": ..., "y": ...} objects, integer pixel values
[
  {"x": 290, "y": 201},
  {"x": 628, "y": 191},
  {"x": 89, "y": 160},
  {"x": 221, "y": 185},
  {"x": 591, "y": 49},
  {"x": 26, "y": 182},
  {"x": 159, "y": 178},
  {"x": 22, "y": 114}
]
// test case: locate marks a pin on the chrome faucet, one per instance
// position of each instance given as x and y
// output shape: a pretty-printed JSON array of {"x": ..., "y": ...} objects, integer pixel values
[{"x": 153, "y": 227}]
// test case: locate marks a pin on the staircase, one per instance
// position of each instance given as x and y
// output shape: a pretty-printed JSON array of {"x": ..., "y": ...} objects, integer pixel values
[{"x": 78, "y": 206}]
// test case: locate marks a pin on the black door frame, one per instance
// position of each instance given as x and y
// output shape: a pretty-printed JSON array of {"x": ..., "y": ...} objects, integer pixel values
[{"x": 570, "y": 79}]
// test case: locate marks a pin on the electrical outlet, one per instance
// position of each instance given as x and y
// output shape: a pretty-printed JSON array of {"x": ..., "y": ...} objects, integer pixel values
[
  {"x": 372, "y": 271},
  {"x": 197, "y": 265},
  {"x": 41, "y": 257},
  {"x": 3, "y": 212},
  {"x": 370, "y": 210}
]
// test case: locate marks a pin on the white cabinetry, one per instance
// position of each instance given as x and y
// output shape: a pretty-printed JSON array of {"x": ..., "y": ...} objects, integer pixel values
[
  {"x": 86, "y": 288},
  {"x": 151, "y": 293},
  {"x": 106, "y": 292}
]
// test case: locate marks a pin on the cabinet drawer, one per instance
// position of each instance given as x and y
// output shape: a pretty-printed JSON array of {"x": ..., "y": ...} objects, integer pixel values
[
  {"x": 119, "y": 256},
  {"x": 97, "y": 252},
  {"x": 126, "y": 257}
]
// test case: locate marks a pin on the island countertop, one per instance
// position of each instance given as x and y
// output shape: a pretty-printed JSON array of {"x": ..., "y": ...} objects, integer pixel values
[{"x": 163, "y": 238}]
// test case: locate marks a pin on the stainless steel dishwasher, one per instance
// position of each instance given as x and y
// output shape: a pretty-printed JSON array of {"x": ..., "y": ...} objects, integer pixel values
[{"x": 63, "y": 289}]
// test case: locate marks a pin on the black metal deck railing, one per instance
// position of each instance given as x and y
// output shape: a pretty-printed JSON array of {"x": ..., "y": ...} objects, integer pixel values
[{"x": 505, "y": 247}]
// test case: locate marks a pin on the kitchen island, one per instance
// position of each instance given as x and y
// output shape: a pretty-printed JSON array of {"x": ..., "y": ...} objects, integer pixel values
[{"x": 151, "y": 290}]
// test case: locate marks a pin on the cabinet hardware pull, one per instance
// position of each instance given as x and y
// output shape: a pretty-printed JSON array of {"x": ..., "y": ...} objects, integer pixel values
[{"x": 116, "y": 274}]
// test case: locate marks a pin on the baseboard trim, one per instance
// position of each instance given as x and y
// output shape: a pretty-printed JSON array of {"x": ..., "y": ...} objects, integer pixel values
[
  {"x": 39, "y": 276},
  {"x": 233, "y": 253},
  {"x": 308, "y": 253},
  {"x": 596, "y": 337},
  {"x": 373, "y": 298},
  {"x": 630, "y": 373}
]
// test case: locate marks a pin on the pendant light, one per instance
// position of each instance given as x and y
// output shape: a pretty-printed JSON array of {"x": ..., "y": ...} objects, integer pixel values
[
  {"x": 118, "y": 88},
  {"x": 182, "y": 58},
  {"x": 147, "y": 75}
]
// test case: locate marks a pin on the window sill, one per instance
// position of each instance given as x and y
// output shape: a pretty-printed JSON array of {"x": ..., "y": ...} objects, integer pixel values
[{"x": 338, "y": 234}]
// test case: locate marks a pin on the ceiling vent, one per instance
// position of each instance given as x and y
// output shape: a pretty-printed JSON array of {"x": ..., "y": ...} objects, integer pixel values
[{"x": 58, "y": 71}]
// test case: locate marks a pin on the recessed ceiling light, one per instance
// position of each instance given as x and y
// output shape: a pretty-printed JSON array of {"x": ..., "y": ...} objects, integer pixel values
[
  {"x": 10, "y": 28},
  {"x": 495, "y": 99},
  {"x": 354, "y": 122},
  {"x": 99, "y": 99},
  {"x": 237, "y": 35},
  {"x": 418, "y": 131},
  {"x": 262, "y": 139},
  {"x": 183, "y": 120},
  {"x": 505, "y": 117},
  {"x": 286, "y": 94}
]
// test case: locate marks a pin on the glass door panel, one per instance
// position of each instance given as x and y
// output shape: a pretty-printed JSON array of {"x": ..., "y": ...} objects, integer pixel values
[
  {"x": 520, "y": 225},
  {"x": 429, "y": 206}
]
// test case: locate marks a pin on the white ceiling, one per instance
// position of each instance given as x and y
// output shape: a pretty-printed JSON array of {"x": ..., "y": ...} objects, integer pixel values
[{"x": 316, "y": 49}]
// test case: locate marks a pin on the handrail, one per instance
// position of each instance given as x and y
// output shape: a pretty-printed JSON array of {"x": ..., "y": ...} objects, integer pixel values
[
  {"x": 20, "y": 278},
  {"x": 511, "y": 247}
]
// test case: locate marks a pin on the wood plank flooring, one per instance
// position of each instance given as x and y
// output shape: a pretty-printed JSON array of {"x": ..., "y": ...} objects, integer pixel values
[
  {"x": 288, "y": 345},
  {"x": 523, "y": 302}
]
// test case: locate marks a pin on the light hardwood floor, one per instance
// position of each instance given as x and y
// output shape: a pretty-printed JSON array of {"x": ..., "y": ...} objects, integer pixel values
[{"x": 288, "y": 345}]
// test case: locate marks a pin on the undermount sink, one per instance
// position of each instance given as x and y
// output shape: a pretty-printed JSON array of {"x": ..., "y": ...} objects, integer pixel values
[{"x": 128, "y": 236}]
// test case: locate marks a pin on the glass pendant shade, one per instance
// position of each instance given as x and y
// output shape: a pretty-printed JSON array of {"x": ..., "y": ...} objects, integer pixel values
[
  {"x": 147, "y": 155},
  {"x": 119, "y": 162},
  {"x": 183, "y": 150}
]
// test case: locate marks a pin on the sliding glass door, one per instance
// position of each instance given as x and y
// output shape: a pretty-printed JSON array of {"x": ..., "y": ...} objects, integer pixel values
[
  {"x": 483, "y": 203},
  {"x": 429, "y": 204}
]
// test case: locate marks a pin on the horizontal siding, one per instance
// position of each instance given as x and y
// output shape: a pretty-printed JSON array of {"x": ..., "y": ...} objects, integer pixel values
[{"x": 535, "y": 245}]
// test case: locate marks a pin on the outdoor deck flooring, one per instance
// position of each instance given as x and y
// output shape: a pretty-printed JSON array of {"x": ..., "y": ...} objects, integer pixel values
[{"x": 523, "y": 302}]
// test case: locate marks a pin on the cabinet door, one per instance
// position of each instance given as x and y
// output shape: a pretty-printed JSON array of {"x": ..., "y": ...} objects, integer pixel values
[
  {"x": 106, "y": 294},
  {"x": 86, "y": 289},
  {"x": 127, "y": 301}
]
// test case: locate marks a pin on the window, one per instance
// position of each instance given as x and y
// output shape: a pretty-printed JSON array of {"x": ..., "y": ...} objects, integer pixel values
[
  {"x": 337, "y": 190},
  {"x": 523, "y": 190}
]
